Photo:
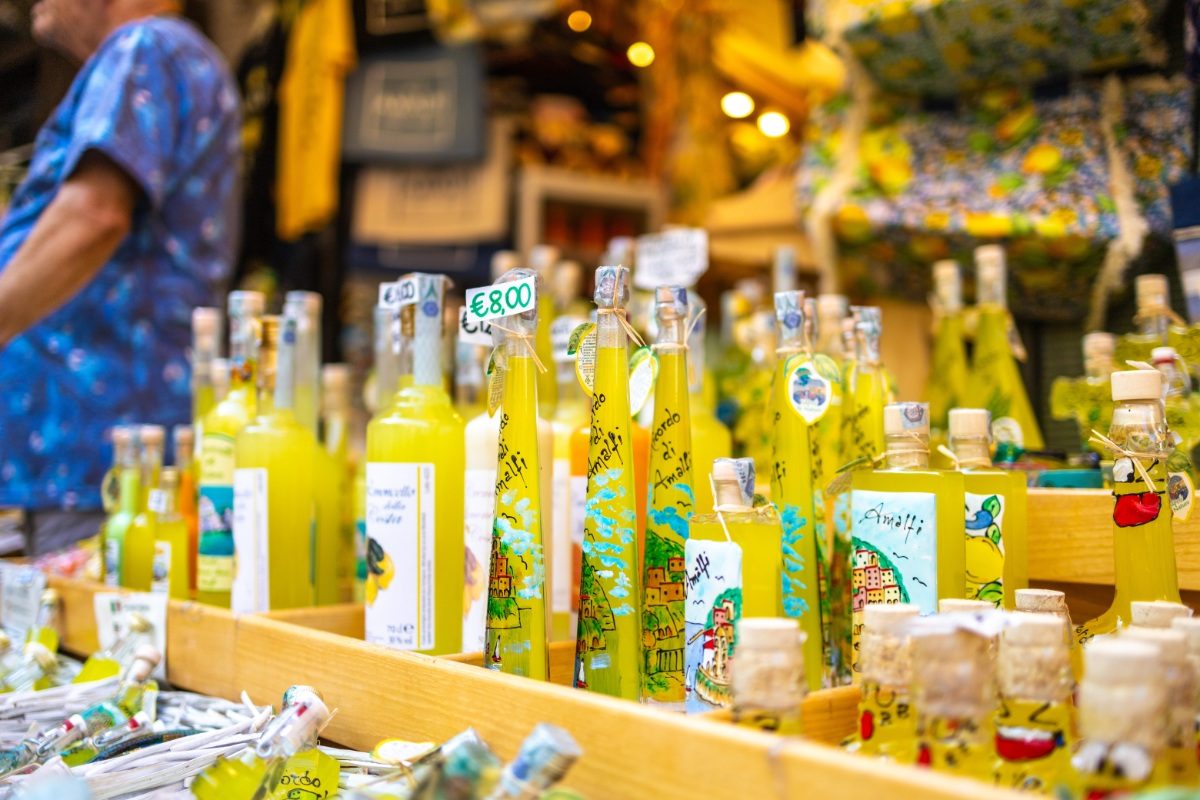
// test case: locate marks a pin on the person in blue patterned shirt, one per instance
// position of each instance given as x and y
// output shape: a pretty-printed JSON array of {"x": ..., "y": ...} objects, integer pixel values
[{"x": 125, "y": 223}]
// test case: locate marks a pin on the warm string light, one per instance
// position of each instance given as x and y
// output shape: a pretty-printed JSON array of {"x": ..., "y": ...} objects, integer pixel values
[
  {"x": 579, "y": 21},
  {"x": 640, "y": 54},
  {"x": 773, "y": 124},
  {"x": 737, "y": 105}
]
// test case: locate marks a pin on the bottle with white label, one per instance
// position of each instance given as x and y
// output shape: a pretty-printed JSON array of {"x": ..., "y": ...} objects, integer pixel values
[
  {"x": 169, "y": 573},
  {"x": 214, "y": 562},
  {"x": 570, "y": 415},
  {"x": 137, "y": 555},
  {"x": 517, "y": 589},
  {"x": 996, "y": 553},
  {"x": 906, "y": 522},
  {"x": 414, "y": 498},
  {"x": 274, "y": 499},
  {"x": 129, "y": 479}
]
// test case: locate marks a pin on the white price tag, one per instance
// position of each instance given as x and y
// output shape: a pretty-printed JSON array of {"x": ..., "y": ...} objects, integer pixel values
[
  {"x": 20, "y": 593},
  {"x": 157, "y": 502},
  {"x": 677, "y": 257},
  {"x": 473, "y": 332},
  {"x": 400, "y": 293},
  {"x": 501, "y": 299},
  {"x": 112, "y": 619}
]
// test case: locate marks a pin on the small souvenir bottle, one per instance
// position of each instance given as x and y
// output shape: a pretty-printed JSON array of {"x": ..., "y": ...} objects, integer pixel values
[
  {"x": 1052, "y": 601},
  {"x": 1190, "y": 626},
  {"x": 768, "y": 674},
  {"x": 1177, "y": 766},
  {"x": 886, "y": 716},
  {"x": 1156, "y": 613}
]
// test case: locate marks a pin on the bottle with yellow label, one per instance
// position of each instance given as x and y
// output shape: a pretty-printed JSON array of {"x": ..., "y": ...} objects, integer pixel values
[
  {"x": 169, "y": 569},
  {"x": 947, "y": 386},
  {"x": 996, "y": 519},
  {"x": 995, "y": 382},
  {"x": 274, "y": 508},
  {"x": 1088, "y": 399},
  {"x": 214, "y": 562},
  {"x": 129, "y": 479},
  {"x": 414, "y": 498},
  {"x": 516, "y": 603},
  {"x": 137, "y": 555},
  {"x": 887, "y": 719}
]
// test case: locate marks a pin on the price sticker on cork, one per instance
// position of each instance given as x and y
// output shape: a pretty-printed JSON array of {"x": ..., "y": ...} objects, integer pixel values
[
  {"x": 400, "y": 293},
  {"x": 676, "y": 257},
  {"x": 501, "y": 299},
  {"x": 473, "y": 331}
]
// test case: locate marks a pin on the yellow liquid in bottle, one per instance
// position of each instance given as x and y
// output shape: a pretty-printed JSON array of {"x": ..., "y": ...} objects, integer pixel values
[
  {"x": 1034, "y": 740},
  {"x": 331, "y": 469},
  {"x": 996, "y": 383},
  {"x": 516, "y": 605},
  {"x": 760, "y": 536},
  {"x": 947, "y": 387},
  {"x": 862, "y": 418},
  {"x": 214, "y": 563},
  {"x": 170, "y": 567},
  {"x": 997, "y": 561},
  {"x": 137, "y": 559},
  {"x": 116, "y": 526},
  {"x": 887, "y": 723},
  {"x": 570, "y": 414},
  {"x": 710, "y": 440}
]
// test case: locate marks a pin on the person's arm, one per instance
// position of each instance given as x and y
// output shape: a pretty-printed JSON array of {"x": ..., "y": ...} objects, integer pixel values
[{"x": 73, "y": 238}]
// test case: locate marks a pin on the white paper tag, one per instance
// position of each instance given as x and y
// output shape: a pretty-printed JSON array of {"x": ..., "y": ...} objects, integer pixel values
[
  {"x": 1181, "y": 492},
  {"x": 677, "y": 257},
  {"x": 112, "y": 620},
  {"x": 501, "y": 299},
  {"x": 643, "y": 369},
  {"x": 251, "y": 587},
  {"x": 160, "y": 580},
  {"x": 157, "y": 501},
  {"x": 560, "y": 335},
  {"x": 400, "y": 293},
  {"x": 808, "y": 392},
  {"x": 480, "y": 494},
  {"x": 473, "y": 332},
  {"x": 21, "y": 591}
]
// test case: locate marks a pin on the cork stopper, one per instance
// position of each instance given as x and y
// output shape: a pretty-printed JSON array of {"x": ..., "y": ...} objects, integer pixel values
[
  {"x": 953, "y": 672},
  {"x": 612, "y": 287},
  {"x": 734, "y": 481},
  {"x": 1180, "y": 683},
  {"x": 1099, "y": 344},
  {"x": 1191, "y": 629},
  {"x": 892, "y": 617},
  {"x": 152, "y": 435},
  {"x": 1120, "y": 661},
  {"x": 1136, "y": 384},
  {"x": 246, "y": 304},
  {"x": 1041, "y": 601},
  {"x": 502, "y": 262},
  {"x": 905, "y": 419},
  {"x": 775, "y": 633},
  {"x": 947, "y": 285},
  {"x": 958, "y": 605},
  {"x": 138, "y": 623},
  {"x": 1152, "y": 292},
  {"x": 145, "y": 659},
  {"x": 970, "y": 423},
  {"x": 206, "y": 329},
  {"x": 991, "y": 278},
  {"x": 1028, "y": 629},
  {"x": 1034, "y": 660},
  {"x": 885, "y": 647},
  {"x": 1156, "y": 613},
  {"x": 37, "y": 652},
  {"x": 1170, "y": 643}
]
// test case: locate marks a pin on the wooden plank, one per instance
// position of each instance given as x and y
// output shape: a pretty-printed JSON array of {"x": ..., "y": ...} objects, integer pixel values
[
  {"x": 345, "y": 619},
  {"x": 78, "y": 618},
  {"x": 562, "y": 662},
  {"x": 1070, "y": 538},
  {"x": 201, "y": 641},
  {"x": 629, "y": 750}
]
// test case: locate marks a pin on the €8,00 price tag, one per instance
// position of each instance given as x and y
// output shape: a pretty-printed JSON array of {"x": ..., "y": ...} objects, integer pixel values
[
  {"x": 397, "y": 294},
  {"x": 473, "y": 332},
  {"x": 501, "y": 299}
]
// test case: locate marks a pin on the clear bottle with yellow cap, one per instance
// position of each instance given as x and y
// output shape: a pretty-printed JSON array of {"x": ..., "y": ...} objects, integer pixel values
[{"x": 137, "y": 554}]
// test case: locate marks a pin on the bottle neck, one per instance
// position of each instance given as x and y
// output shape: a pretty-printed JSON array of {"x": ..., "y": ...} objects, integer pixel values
[
  {"x": 1098, "y": 366},
  {"x": 609, "y": 332},
  {"x": 426, "y": 348},
  {"x": 672, "y": 332},
  {"x": 1140, "y": 426},
  {"x": 907, "y": 452},
  {"x": 131, "y": 487},
  {"x": 284, "y": 395},
  {"x": 244, "y": 332},
  {"x": 971, "y": 451},
  {"x": 1152, "y": 322}
]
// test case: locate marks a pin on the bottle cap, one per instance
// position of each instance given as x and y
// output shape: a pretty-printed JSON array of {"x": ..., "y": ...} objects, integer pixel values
[
  {"x": 789, "y": 314},
  {"x": 959, "y": 605},
  {"x": 778, "y": 633},
  {"x": 988, "y": 259},
  {"x": 152, "y": 435},
  {"x": 1120, "y": 660},
  {"x": 206, "y": 323},
  {"x": 832, "y": 306},
  {"x": 1162, "y": 355},
  {"x": 1152, "y": 291},
  {"x": 1156, "y": 613},
  {"x": 122, "y": 435},
  {"x": 612, "y": 287},
  {"x": 44, "y": 658},
  {"x": 1191, "y": 629},
  {"x": 1041, "y": 601},
  {"x": 1137, "y": 384},
  {"x": 1025, "y": 629},
  {"x": 542, "y": 258},
  {"x": 900, "y": 419},
  {"x": 947, "y": 284},
  {"x": 309, "y": 302},
  {"x": 145, "y": 659},
  {"x": 183, "y": 435},
  {"x": 970, "y": 423},
  {"x": 1099, "y": 343},
  {"x": 885, "y": 617},
  {"x": 502, "y": 262},
  {"x": 246, "y": 304},
  {"x": 670, "y": 303},
  {"x": 1171, "y": 644},
  {"x": 335, "y": 377},
  {"x": 734, "y": 479}
]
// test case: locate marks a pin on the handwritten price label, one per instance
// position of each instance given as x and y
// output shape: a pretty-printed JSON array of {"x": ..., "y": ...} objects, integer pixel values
[
  {"x": 677, "y": 257},
  {"x": 501, "y": 299},
  {"x": 470, "y": 332},
  {"x": 400, "y": 293}
]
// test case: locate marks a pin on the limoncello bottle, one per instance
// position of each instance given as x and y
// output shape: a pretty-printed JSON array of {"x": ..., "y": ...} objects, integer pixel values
[
  {"x": 734, "y": 569},
  {"x": 954, "y": 693},
  {"x": 868, "y": 388},
  {"x": 609, "y": 653},
  {"x": 1190, "y": 626},
  {"x": 129, "y": 477},
  {"x": 947, "y": 387},
  {"x": 997, "y": 560},
  {"x": 831, "y": 312},
  {"x": 995, "y": 382},
  {"x": 1034, "y": 721},
  {"x": 1052, "y": 602},
  {"x": 220, "y": 378},
  {"x": 907, "y": 522},
  {"x": 333, "y": 583},
  {"x": 710, "y": 438},
  {"x": 543, "y": 259},
  {"x": 305, "y": 309},
  {"x": 206, "y": 346},
  {"x": 672, "y": 501},
  {"x": 1143, "y": 541},
  {"x": 1152, "y": 296},
  {"x": 1181, "y": 403},
  {"x": 137, "y": 555},
  {"x": 214, "y": 560},
  {"x": 1088, "y": 399},
  {"x": 169, "y": 564},
  {"x": 414, "y": 499},
  {"x": 516, "y": 604},
  {"x": 570, "y": 414},
  {"x": 184, "y": 440},
  {"x": 110, "y": 661},
  {"x": 47, "y": 621},
  {"x": 767, "y": 679},
  {"x": 274, "y": 509},
  {"x": 887, "y": 719},
  {"x": 37, "y": 665},
  {"x": 1177, "y": 766},
  {"x": 1122, "y": 705},
  {"x": 802, "y": 392}
]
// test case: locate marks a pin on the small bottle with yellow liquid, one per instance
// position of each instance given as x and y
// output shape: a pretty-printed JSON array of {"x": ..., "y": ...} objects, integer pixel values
[
  {"x": 414, "y": 498},
  {"x": 887, "y": 718},
  {"x": 995, "y": 382},
  {"x": 947, "y": 386},
  {"x": 47, "y": 622},
  {"x": 868, "y": 388},
  {"x": 184, "y": 439},
  {"x": 802, "y": 393},
  {"x": 1087, "y": 399},
  {"x": 516, "y": 603},
  {"x": 214, "y": 560},
  {"x": 38, "y": 665},
  {"x": 169, "y": 565},
  {"x": 1143, "y": 541},
  {"x": 1122, "y": 707},
  {"x": 672, "y": 501},
  {"x": 953, "y": 687},
  {"x": 1034, "y": 722},
  {"x": 111, "y": 661},
  {"x": 1190, "y": 627},
  {"x": 710, "y": 438},
  {"x": 129, "y": 479},
  {"x": 768, "y": 684},
  {"x": 1052, "y": 602},
  {"x": 734, "y": 568},
  {"x": 274, "y": 513},
  {"x": 1177, "y": 765},
  {"x": 907, "y": 522},
  {"x": 137, "y": 554},
  {"x": 996, "y": 518}
]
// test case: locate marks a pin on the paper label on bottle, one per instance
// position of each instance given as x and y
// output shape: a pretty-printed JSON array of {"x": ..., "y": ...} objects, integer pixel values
[
  {"x": 895, "y": 549},
  {"x": 714, "y": 605},
  {"x": 251, "y": 589},
  {"x": 560, "y": 554},
  {"x": 112, "y": 561},
  {"x": 577, "y": 498},
  {"x": 214, "y": 563},
  {"x": 113, "y": 611},
  {"x": 480, "y": 495},
  {"x": 157, "y": 501},
  {"x": 160, "y": 570},
  {"x": 501, "y": 299},
  {"x": 1007, "y": 429},
  {"x": 643, "y": 369},
  {"x": 676, "y": 257},
  {"x": 985, "y": 546},
  {"x": 20, "y": 594},
  {"x": 478, "y": 332},
  {"x": 809, "y": 393},
  {"x": 401, "y": 522},
  {"x": 1180, "y": 491},
  {"x": 585, "y": 357}
]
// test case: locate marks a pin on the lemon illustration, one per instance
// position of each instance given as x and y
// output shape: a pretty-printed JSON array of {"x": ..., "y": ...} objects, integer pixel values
[{"x": 985, "y": 562}]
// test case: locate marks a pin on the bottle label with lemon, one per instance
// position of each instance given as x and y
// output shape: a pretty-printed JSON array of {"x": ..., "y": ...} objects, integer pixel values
[{"x": 985, "y": 547}]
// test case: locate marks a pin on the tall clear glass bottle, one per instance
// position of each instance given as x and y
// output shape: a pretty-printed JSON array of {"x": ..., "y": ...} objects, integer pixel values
[
  {"x": 214, "y": 562},
  {"x": 947, "y": 386},
  {"x": 868, "y": 388},
  {"x": 1143, "y": 541},
  {"x": 129, "y": 478},
  {"x": 414, "y": 499},
  {"x": 206, "y": 347},
  {"x": 137, "y": 556},
  {"x": 953, "y": 688},
  {"x": 305, "y": 309}
]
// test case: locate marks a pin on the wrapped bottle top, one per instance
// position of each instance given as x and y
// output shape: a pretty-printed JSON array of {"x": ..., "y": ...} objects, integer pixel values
[
  {"x": 947, "y": 286},
  {"x": 769, "y": 669},
  {"x": 246, "y": 303},
  {"x": 734, "y": 481},
  {"x": 885, "y": 649},
  {"x": 906, "y": 419},
  {"x": 502, "y": 262},
  {"x": 991, "y": 275},
  {"x": 1136, "y": 384},
  {"x": 1152, "y": 292},
  {"x": 612, "y": 287},
  {"x": 789, "y": 315},
  {"x": 1156, "y": 613},
  {"x": 306, "y": 304}
]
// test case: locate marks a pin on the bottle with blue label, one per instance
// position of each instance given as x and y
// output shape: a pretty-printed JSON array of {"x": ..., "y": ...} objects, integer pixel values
[{"x": 906, "y": 522}]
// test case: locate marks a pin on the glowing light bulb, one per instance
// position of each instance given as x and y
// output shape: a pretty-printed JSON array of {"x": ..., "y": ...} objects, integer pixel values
[
  {"x": 738, "y": 105},
  {"x": 579, "y": 21},
  {"x": 640, "y": 54},
  {"x": 773, "y": 124}
]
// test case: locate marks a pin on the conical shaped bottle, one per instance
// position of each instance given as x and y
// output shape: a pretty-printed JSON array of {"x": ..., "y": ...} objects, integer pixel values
[
  {"x": 947, "y": 387},
  {"x": 1152, "y": 295},
  {"x": 543, "y": 259},
  {"x": 305, "y": 309}
]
